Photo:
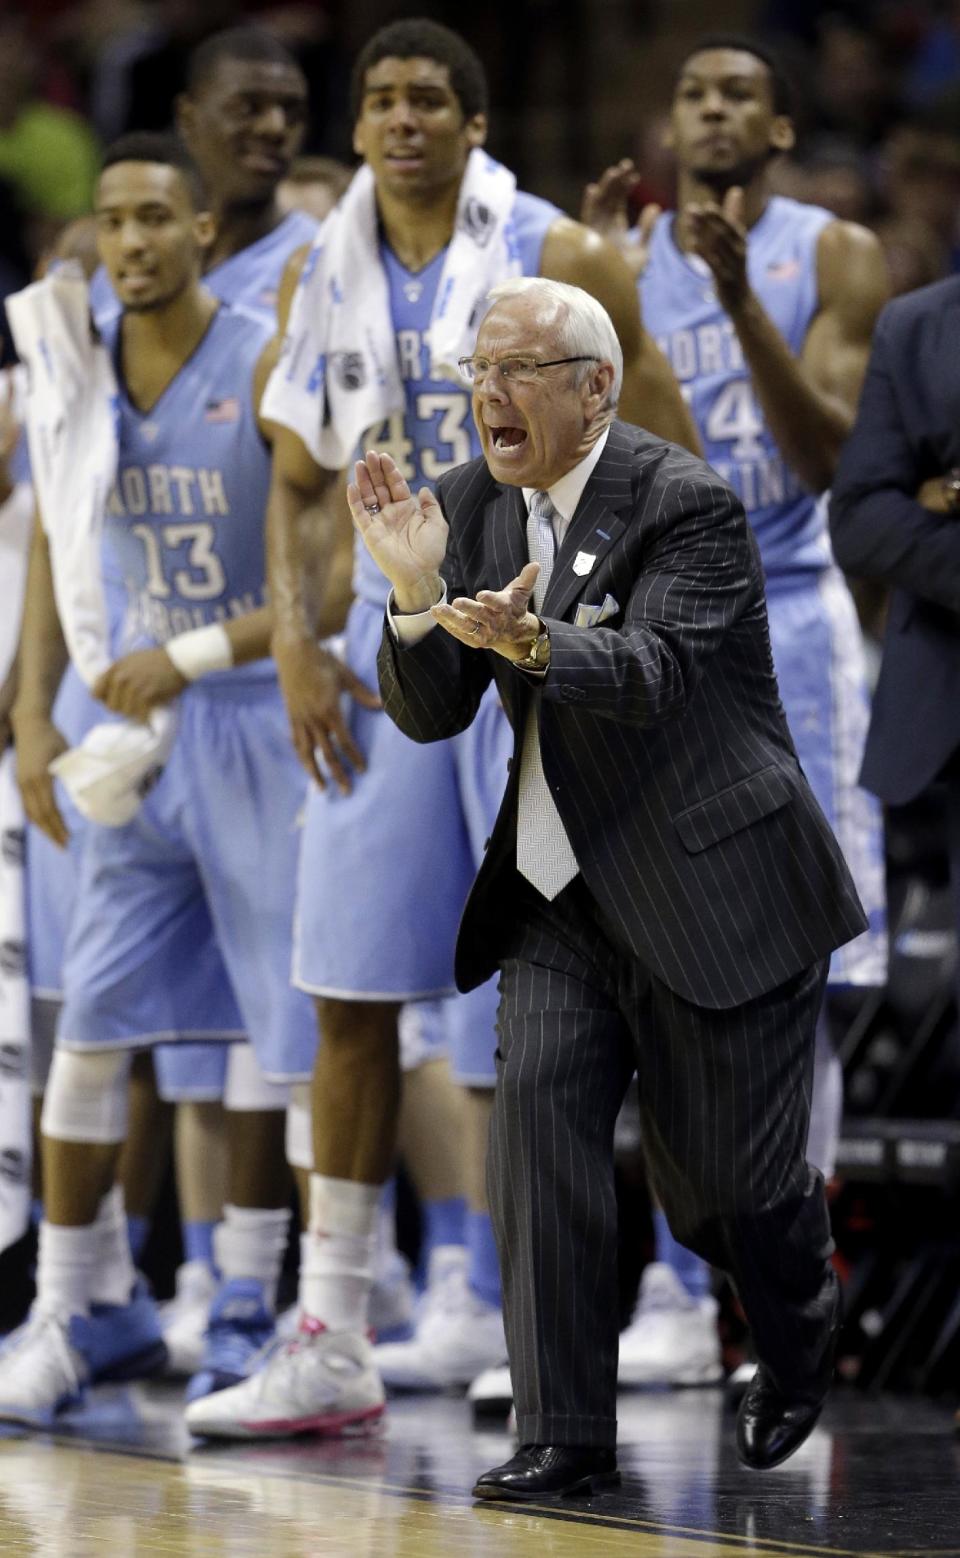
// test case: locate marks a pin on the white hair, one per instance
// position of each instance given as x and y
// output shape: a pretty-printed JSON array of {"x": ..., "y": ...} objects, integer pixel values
[{"x": 584, "y": 327}]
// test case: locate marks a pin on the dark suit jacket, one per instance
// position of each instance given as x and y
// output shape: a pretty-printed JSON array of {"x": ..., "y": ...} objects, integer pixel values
[
  {"x": 908, "y": 429},
  {"x": 662, "y": 733}
]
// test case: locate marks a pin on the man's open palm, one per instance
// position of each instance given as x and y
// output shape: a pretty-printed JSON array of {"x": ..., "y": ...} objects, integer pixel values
[{"x": 405, "y": 535}]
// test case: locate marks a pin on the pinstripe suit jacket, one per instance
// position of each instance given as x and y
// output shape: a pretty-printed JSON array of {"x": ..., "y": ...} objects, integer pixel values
[{"x": 662, "y": 733}]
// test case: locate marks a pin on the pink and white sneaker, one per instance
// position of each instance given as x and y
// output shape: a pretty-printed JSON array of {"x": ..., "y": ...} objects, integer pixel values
[{"x": 323, "y": 1382}]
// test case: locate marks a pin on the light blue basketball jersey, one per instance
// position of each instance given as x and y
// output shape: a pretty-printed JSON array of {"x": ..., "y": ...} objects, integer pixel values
[
  {"x": 681, "y": 311},
  {"x": 185, "y": 521},
  {"x": 435, "y": 432},
  {"x": 251, "y": 276}
]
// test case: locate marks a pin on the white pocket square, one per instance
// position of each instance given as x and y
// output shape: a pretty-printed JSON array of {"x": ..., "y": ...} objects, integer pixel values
[{"x": 592, "y": 616}]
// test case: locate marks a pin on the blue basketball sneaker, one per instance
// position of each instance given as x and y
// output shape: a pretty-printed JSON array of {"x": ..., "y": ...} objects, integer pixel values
[
  {"x": 122, "y": 1341},
  {"x": 241, "y": 1323}
]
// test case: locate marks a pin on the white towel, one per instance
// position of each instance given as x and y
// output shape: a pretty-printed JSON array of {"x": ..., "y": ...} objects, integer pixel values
[
  {"x": 16, "y": 516},
  {"x": 338, "y": 372},
  {"x": 70, "y": 412},
  {"x": 15, "y": 1112}
]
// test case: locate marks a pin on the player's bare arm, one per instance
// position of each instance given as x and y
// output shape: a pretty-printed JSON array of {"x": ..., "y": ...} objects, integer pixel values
[
  {"x": 306, "y": 514},
  {"x": 650, "y": 396},
  {"x": 809, "y": 402},
  {"x": 42, "y": 662},
  {"x": 311, "y": 678},
  {"x": 854, "y": 285}
]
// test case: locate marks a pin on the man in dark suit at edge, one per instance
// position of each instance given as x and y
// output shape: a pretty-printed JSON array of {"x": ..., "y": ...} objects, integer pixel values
[
  {"x": 661, "y": 891},
  {"x": 894, "y": 518}
]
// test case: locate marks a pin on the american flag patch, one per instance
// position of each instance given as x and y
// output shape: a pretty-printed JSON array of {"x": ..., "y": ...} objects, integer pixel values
[
  {"x": 225, "y": 410},
  {"x": 783, "y": 270}
]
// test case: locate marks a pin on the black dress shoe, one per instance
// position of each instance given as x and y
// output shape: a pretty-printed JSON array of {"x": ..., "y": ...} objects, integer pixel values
[
  {"x": 551, "y": 1471},
  {"x": 770, "y": 1426}
]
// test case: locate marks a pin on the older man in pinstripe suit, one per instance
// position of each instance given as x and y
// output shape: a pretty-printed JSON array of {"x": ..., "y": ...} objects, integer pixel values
[{"x": 661, "y": 891}]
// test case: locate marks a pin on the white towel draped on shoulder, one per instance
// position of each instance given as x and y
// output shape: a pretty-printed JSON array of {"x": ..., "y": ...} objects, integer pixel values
[
  {"x": 338, "y": 372},
  {"x": 15, "y": 1111},
  {"x": 15, "y": 1117},
  {"x": 70, "y": 411}
]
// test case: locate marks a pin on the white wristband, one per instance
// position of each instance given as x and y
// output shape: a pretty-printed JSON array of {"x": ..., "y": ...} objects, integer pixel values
[{"x": 201, "y": 650}]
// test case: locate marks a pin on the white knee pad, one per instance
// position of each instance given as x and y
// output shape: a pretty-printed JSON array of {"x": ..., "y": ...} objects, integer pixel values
[
  {"x": 86, "y": 1096},
  {"x": 246, "y": 1090},
  {"x": 422, "y": 1028},
  {"x": 299, "y": 1134}
]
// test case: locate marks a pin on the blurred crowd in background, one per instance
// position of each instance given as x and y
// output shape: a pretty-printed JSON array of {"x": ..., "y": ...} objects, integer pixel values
[{"x": 575, "y": 85}]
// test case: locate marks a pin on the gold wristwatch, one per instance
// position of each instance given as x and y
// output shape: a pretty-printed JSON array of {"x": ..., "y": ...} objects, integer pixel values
[{"x": 537, "y": 657}]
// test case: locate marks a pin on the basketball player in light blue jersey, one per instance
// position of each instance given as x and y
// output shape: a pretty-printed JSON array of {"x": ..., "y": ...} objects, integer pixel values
[
  {"x": 242, "y": 116},
  {"x": 183, "y": 915},
  {"x": 765, "y": 309},
  {"x": 419, "y": 113}
]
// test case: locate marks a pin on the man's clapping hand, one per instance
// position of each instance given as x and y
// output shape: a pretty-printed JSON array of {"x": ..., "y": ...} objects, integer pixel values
[
  {"x": 606, "y": 207},
  {"x": 500, "y": 620},
  {"x": 405, "y": 535}
]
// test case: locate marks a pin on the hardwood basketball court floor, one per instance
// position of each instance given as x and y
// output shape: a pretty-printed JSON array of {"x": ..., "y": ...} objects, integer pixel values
[{"x": 121, "y": 1479}]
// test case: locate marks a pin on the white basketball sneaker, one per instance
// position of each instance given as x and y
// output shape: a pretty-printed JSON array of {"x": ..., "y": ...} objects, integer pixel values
[
  {"x": 672, "y": 1338},
  {"x": 457, "y": 1335},
  {"x": 41, "y": 1370},
  {"x": 183, "y": 1318},
  {"x": 491, "y": 1395},
  {"x": 324, "y": 1382}
]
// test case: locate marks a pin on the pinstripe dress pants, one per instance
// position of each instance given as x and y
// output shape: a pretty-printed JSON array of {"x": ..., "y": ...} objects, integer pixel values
[{"x": 725, "y": 1103}]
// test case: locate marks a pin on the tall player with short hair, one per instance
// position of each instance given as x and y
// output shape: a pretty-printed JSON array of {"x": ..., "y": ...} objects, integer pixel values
[
  {"x": 400, "y": 267},
  {"x": 183, "y": 915},
  {"x": 764, "y": 307}
]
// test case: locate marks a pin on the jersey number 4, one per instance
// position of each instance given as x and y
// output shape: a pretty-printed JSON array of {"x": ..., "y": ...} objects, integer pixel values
[{"x": 735, "y": 419}]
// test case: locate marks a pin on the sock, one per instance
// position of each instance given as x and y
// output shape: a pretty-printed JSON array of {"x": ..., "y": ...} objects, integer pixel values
[
  {"x": 198, "y": 1242},
  {"x": 483, "y": 1271},
  {"x": 138, "y": 1231},
  {"x": 66, "y": 1259},
  {"x": 444, "y": 1222},
  {"x": 339, "y": 1252},
  {"x": 693, "y": 1272},
  {"x": 114, "y": 1274},
  {"x": 251, "y": 1243},
  {"x": 387, "y": 1252},
  {"x": 826, "y": 1102}
]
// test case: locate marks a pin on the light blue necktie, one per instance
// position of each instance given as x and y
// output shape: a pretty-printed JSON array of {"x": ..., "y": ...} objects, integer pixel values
[{"x": 544, "y": 853}]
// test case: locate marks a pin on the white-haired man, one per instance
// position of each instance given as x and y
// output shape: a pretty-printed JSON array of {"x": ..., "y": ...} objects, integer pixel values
[{"x": 661, "y": 892}]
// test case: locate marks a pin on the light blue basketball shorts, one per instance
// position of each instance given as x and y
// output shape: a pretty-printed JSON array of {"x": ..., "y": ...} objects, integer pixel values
[
  {"x": 182, "y": 924},
  {"x": 818, "y": 655},
  {"x": 51, "y": 885},
  {"x": 385, "y": 870},
  {"x": 52, "y": 872},
  {"x": 463, "y": 1027}
]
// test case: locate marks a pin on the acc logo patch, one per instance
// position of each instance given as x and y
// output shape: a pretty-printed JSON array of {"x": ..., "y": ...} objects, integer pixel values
[{"x": 350, "y": 370}]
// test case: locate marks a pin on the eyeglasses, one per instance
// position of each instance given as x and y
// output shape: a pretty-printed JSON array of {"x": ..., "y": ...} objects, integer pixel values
[{"x": 518, "y": 370}]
